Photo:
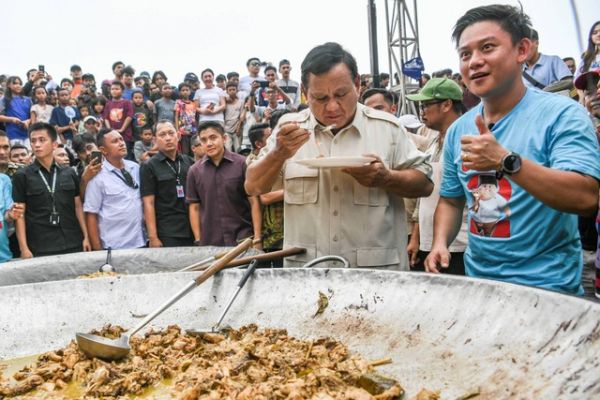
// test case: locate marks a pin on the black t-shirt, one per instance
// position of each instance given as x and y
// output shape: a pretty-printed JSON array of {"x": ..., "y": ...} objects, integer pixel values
[
  {"x": 29, "y": 188},
  {"x": 158, "y": 177}
]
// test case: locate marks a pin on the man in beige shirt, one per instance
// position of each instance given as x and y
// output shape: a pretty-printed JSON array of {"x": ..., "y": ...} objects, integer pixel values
[{"x": 356, "y": 212}]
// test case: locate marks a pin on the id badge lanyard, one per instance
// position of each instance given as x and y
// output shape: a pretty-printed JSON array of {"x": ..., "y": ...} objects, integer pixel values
[
  {"x": 51, "y": 190},
  {"x": 178, "y": 186}
]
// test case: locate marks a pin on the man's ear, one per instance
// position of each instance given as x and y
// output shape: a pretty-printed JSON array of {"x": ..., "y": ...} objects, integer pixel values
[{"x": 523, "y": 49}]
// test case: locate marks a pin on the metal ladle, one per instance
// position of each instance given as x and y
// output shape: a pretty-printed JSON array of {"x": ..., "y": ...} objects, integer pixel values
[
  {"x": 107, "y": 267},
  {"x": 114, "y": 349}
]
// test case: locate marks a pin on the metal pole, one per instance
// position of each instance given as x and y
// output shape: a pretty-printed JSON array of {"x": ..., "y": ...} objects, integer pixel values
[{"x": 372, "y": 12}]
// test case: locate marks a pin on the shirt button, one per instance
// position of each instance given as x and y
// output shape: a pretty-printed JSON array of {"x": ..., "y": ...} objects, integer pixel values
[
  {"x": 335, "y": 213},
  {"x": 335, "y": 238},
  {"x": 335, "y": 188}
]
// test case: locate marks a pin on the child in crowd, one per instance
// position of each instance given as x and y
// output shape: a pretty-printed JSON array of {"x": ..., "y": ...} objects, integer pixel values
[
  {"x": 142, "y": 115},
  {"x": 65, "y": 117},
  {"x": 15, "y": 109},
  {"x": 118, "y": 115},
  {"x": 98, "y": 105},
  {"x": 40, "y": 111},
  {"x": 84, "y": 111},
  {"x": 185, "y": 118},
  {"x": 145, "y": 148},
  {"x": 52, "y": 97},
  {"x": 164, "y": 108},
  {"x": 90, "y": 124}
]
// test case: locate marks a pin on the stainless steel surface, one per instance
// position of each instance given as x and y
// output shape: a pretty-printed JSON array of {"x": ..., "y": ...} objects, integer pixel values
[
  {"x": 98, "y": 346},
  {"x": 109, "y": 349},
  {"x": 132, "y": 261},
  {"x": 107, "y": 266},
  {"x": 447, "y": 333},
  {"x": 322, "y": 259}
]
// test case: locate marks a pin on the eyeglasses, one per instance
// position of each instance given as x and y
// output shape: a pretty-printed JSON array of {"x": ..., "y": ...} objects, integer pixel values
[{"x": 424, "y": 106}]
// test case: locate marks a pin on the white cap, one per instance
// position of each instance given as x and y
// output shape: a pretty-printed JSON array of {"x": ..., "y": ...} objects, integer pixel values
[
  {"x": 86, "y": 119},
  {"x": 410, "y": 121}
]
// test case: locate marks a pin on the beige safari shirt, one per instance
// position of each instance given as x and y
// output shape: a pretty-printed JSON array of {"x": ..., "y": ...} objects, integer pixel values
[{"x": 328, "y": 212}]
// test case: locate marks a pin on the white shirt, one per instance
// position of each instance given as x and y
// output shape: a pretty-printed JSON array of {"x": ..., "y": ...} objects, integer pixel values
[{"x": 119, "y": 207}]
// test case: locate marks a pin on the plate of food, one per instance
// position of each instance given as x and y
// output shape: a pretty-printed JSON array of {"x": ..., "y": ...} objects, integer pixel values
[{"x": 336, "y": 162}]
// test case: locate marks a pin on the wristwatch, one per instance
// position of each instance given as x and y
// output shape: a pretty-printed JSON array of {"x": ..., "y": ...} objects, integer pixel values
[{"x": 511, "y": 163}]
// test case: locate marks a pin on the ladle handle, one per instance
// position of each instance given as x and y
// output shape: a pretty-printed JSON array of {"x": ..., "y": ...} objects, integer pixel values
[
  {"x": 213, "y": 269},
  {"x": 222, "y": 262}
]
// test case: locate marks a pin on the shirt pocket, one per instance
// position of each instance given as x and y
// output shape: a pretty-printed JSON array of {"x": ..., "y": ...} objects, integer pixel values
[{"x": 301, "y": 184}]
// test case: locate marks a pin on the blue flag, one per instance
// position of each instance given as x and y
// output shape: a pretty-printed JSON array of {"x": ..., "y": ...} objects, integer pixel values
[{"x": 414, "y": 68}]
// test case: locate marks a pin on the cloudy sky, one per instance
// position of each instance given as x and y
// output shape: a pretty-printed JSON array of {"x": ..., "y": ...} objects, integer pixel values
[{"x": 178, "y": 36}]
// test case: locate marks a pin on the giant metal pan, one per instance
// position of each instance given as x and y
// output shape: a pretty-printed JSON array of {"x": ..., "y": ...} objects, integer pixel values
[{"x": 448, "y": 333}]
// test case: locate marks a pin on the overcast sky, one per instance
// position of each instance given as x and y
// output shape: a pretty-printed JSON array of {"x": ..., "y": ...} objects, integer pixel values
[{"x": 178, "y": 36}]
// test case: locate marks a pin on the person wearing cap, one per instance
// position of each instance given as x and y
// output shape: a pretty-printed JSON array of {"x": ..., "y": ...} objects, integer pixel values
[
  {"x": 353, "y": 212},
  {"x": 441, "y": 104},
  {"x": 192, "y": 80},
  {"x": 589, "y": 84},
  {"x": 541, "y": 149},
  {"x": 90, "y": 124},
  {"x": 290, "y": 87},
  {"x": 77, "y": 80}
]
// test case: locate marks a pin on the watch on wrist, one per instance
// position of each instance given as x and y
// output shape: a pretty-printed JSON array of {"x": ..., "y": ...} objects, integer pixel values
[{"x": 511, "y": 163}]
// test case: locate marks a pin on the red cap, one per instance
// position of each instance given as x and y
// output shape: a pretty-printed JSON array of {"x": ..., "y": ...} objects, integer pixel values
[{"x": 581, "y": 81}]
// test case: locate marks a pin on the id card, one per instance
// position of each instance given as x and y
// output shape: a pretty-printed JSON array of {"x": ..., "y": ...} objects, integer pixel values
[
  {"x": 180, "y": 192},
  {"x": 54, "y": 218}
]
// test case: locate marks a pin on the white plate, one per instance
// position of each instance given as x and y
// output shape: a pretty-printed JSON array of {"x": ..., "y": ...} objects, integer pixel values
[{"x": 336, "y": 162}]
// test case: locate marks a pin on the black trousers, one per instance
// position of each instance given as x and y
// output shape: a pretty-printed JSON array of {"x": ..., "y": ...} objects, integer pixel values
[
  {"x": 456, "y": 267},
  {"x": 176, "y": 241},
  {"x": 57, "y": 252}
]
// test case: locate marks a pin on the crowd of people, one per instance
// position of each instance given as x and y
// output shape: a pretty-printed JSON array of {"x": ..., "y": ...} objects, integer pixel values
[{"x": 496, "y": 177}]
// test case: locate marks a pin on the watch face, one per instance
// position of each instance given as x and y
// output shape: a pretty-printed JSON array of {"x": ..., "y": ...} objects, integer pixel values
[{"x": 512, "y": 163}]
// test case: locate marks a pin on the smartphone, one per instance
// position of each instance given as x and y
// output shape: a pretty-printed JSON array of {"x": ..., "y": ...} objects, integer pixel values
[
  {"x": 264, "y": 84},
  {"x": 96, "y": 155},
  {"x": 41, "y": 68}
]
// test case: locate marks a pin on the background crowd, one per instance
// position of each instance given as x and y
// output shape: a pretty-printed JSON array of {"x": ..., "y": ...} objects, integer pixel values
[{"x": 139, "y": 159}]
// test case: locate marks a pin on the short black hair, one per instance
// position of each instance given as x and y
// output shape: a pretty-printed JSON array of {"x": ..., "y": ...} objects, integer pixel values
[
  {"x": 3, "y": 134},
  {"x": 17, "y": 146},
  {"x": 533, "y": 35},
  {"x": 511, "y": 19},
  {"x": 119, "y": 84},
  {"x": 63, "y": 80},
  {"x": 183, "y": 84},
  {"x": 205, "y": 71},
  {"x": 75, "y": 67},
  {"x": 324, "y": 57},
  {"x": 129, "y": 70},
  {"x": 568, "y": 59},
  {"x": 284, "y": 62},
  {"x": 232, "y": 74},
  {"x": 388, "y": 96},
  {"x": 216, "y": 125},
  {"x": 117, "y": 63},
  {"x": 270, "y": 68},
  {"x": 61, "y": 89},
  {"x": 80, "y": 141},
  {"x": 195, "y": 140},
  {"x": 220, "y": 77},
  {"x": 40, "y": 126},
  {"x": 256, "y": 133},
  {"x": 231, "y": 84},
  {"x": 276, "y": 115},
  {"x": 384, "y": 75},
  {"x": 100, "y": 136}
]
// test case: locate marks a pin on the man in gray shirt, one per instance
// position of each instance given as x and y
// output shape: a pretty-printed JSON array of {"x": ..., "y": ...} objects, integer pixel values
[{"x": 164, "y": 108}]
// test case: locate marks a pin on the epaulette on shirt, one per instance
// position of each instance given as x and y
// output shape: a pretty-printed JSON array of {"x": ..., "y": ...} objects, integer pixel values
[
  {"x": 377, "y": 114},
  {"x": 300, "y": 117}
]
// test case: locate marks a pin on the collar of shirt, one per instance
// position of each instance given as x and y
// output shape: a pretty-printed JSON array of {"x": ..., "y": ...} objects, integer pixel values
[
  {"x": 539, "y": 62},
  {"x": 358, "y": 122},
  {"x": 160, "y": 156},
  {"x": 39, "y": 167},
  {"x": 226, "y": 156}
]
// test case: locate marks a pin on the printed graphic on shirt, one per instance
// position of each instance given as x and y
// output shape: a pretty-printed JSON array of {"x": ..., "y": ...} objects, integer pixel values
[
  {"x": 490, "y": 211},
  {"x": 140, "y": 120},
  {"x": 116, "y": 114}
]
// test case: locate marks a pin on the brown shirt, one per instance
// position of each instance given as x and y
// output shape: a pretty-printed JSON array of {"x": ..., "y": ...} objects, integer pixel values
[{"x": 225, "y": 215}]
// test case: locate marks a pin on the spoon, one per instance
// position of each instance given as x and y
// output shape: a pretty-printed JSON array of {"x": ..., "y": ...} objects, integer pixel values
[
  {"x": 328, "y": 128},
  {"x": 107, "y": 267},
  {"x": 114, "y": 349}
]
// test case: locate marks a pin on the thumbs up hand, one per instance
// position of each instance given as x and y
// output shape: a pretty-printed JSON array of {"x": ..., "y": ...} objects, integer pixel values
[{"x": 481, "y": 152}]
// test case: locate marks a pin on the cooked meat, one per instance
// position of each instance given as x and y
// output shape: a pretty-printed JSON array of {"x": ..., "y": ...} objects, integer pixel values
[{"x": 241, "y": 364}]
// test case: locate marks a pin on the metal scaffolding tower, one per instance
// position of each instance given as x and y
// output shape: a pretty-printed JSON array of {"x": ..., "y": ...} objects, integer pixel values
[{"x": 403, "y": 45}]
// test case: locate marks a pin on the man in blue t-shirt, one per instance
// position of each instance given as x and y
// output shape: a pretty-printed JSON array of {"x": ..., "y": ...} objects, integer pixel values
[{"x": 526, "y": 163}]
